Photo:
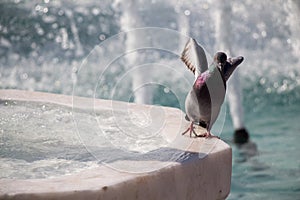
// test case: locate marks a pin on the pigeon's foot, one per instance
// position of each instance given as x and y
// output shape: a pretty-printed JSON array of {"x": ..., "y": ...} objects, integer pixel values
[
  {"x": 209, "y": 135},
  {"x": 191, "y": 129}
]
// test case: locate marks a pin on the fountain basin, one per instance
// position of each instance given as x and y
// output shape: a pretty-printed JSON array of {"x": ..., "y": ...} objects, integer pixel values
[{"x": 180, "y": 167}]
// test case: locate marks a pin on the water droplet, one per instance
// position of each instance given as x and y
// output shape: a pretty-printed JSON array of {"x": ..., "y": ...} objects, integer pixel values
[
  {"x": 45, "y": 10},
  {"x": 262, "y": 81},
  {"x": 74, "y": 69},
  {"x": 24, "y": 76},
  {"x": 50, "y": 35},
  {"x": 187, "y": 12},
  {"x": 60, "y": 12},
  {"x": 40, "y": 31},
  {"x": 102, "y": 37},
  {"x": 38, "y": 7},
  {"x": 33, "y": 45},
  {"x": 255, "y": 36},
  {"x": 54, "y": 26},
  {"x": 282, "y": 88},
  {"x": 49, "y": 18},
  {"x": 166, "y": 90},
  {"x": 79, "y": 19},
  {"x": 95, "y": 11}
]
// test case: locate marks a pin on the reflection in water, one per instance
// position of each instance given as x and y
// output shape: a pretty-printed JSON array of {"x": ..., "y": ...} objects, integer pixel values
[{"x": 246, "y": 151}]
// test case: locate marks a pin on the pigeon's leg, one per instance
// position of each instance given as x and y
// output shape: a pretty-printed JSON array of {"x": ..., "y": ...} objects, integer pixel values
[{"x": 191, "y": 130}]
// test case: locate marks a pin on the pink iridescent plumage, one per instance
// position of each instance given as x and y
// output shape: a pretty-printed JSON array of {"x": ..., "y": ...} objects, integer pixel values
[{"x": 202, "y": 78}]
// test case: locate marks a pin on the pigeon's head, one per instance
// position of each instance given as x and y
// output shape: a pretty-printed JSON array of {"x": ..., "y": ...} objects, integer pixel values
[
  {"x": 226, "y": 65},
  {"x": 220, "y": 58}
]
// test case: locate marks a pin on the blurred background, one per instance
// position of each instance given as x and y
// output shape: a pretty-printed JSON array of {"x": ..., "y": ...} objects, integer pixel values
[{"x": 43, "y": 45}]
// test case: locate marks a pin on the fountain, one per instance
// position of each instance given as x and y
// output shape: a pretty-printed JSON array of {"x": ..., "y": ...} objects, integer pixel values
[
  {"x": 92, "y": 147},
  {"x": 153, "y": 161}
]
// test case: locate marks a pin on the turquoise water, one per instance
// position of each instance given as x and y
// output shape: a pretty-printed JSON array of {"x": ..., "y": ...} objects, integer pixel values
[
  {"x": 269, "y": 167},
  {"x": 43, "y": 44}
]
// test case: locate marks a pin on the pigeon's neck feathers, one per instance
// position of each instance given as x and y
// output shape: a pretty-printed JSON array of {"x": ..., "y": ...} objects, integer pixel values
[
  {"x": 203, "y": 77},
  {"x": 212, "y": 68}
]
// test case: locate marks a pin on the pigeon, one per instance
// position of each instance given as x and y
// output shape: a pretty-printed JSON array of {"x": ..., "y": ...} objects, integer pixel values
[{"x": 204, "y": 101}]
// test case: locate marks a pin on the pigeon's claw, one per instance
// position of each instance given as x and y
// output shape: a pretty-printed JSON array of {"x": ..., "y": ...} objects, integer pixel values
[
  {"x": 209, "y": 135},
  {"x": 190, "y": 129}
]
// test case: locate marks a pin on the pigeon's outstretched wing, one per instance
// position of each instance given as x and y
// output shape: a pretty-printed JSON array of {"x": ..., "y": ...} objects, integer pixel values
[{"x": 194, "y": 57}]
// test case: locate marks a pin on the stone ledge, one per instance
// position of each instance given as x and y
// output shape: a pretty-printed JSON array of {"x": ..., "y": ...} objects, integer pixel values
[{"x": 199, "y": 177}]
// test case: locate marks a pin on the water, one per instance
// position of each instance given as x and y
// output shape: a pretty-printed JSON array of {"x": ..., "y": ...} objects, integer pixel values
[
  {"x": 47, "y": 56},
  {"x": 269, "y": 167},
  {"x": 43, "y": 140},
  {"x": 38, "y": 141}
]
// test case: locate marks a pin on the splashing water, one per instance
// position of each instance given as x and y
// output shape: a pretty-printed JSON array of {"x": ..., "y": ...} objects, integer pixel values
[{"x": 43, "y": 45}]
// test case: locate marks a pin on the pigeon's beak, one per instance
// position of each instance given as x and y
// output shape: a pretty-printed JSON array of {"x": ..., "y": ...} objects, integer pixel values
[
  {"x": 231, "y": 65},
  {"x": 236, "y": 61}
]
